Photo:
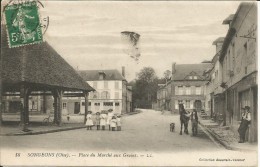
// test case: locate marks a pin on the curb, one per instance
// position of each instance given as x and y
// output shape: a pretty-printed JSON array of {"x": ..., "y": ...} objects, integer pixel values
[
  {"x": 223, "y": 143},
  {"x": 217, "y": 138},
  {"x": 42, "y": 132}
]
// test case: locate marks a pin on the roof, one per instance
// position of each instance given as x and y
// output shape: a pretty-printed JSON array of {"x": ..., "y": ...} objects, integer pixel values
[
  {"x": 39, "y": 65},
  {"x": 238, "y": 19},
  {"x": 183, "y": 70},
  {"x": 228, "y": 19},
  {"x": 93, "y": 75},
  {"x": 218, "y": 40}
]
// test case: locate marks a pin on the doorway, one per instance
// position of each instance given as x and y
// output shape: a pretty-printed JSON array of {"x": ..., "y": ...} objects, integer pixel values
[{"x": 76, "y": 107}]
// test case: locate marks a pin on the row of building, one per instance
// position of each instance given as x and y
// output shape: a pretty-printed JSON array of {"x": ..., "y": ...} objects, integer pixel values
[
  {"x": 227, "y": 83},
  {"x": 111, "y": 92}
]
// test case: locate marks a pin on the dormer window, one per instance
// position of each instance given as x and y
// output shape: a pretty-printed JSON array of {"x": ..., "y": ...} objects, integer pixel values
[
  {"x": 192, "y": 77},
  {"x": 102, "y": 75}
]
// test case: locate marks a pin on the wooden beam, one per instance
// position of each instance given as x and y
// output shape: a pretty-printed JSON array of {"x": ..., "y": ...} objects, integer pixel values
[
  {"x": 59, "y": 113},
  {"x": 24, "y": 107},
  {"x": 57, "y": 94},
  {"x": 86, "y": 106}
]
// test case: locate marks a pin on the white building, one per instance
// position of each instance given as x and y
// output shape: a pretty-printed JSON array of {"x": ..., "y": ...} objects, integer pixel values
[{"x": 111, "y": 91}]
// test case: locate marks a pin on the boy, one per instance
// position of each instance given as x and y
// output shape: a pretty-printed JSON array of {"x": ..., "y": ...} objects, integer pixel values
[{"x": 194, "y": 121}]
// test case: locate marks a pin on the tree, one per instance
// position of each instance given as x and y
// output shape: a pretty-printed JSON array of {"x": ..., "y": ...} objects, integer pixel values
[{"x": 145, "y": 88}]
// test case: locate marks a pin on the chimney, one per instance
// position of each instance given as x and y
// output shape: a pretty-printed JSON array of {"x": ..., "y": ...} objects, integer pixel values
[
  {"x": 218, "y": 47},
  {"x": 173, "y": 69},
  {"x": 123, "y": 71}
]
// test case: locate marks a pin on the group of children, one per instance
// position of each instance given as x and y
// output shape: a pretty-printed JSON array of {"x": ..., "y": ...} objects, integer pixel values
[{"x": 102, "y": 119}]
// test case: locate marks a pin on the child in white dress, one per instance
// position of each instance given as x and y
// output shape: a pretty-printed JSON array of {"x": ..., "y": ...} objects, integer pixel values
[
  {"x": 109, "y": 117},
  {"x": 89, "y": 122},
  {"x": 118, "y": 123},
  {"x": 103, "y": 118},
  {"x": 113, "y": 123}
]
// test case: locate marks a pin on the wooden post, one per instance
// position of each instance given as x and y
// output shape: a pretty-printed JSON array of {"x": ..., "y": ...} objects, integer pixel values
[
  {"x": 225, "y": 109},
  {"x": 55, "y": 120},
  {"x": 59, "y": 106},
  {"x": 24, "y": 112},
  {"x": 252, "y": 128},
  {"x": 86, "y": 106},
  {"x": 44, "y": 102},
  {"x": 57, "y": 94},
  {"x": 26, "y": 106}
]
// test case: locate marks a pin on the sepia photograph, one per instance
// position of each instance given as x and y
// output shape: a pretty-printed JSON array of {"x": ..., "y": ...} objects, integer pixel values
[{"x": 128, "y": 83}]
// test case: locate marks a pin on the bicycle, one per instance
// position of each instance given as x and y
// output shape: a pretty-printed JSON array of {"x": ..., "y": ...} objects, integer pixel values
[{"x": 48, "y": 120}]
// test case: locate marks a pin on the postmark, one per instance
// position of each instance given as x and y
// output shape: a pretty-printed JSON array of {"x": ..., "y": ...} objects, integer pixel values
[{"x": 23, "y": 23}]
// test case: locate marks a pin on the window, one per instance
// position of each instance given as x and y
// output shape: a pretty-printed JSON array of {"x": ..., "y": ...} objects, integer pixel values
[
  {"x": 116, "y": 95},
  {"x": 97, "y": 104},
  {"x": 187, "y": 103},
  {"x": 176, "y": 104},
  {"x": 117, "y": 104},
  {"x": 180, "y": 88},
  {"x": 198, "y": 90},
  {"x": 105, "y": 84},
  {"x": 184, "y": 90},
  {"x": 83, "y": 103},
  {"x": 107, "y": 103},
  {"x": 176, "y": 90},
  {"x": 95, "y": 95},
  {"x": 105, "y": 95},
  {"x": 95, "y": 84},
  {"x": 116, "y": 85},
  {"x": 89, "y": 103},
  {"x": 64, "y": 105},
  {"x": 90, "y": 95},
  {"x": 188, "y": 91},
  {"x": 193, "y": 90}
]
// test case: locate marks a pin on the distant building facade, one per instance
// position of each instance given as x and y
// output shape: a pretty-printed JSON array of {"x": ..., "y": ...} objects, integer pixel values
[
  {"x": 213, "y": 94},
  {"x": 188, "y": 86},
  {"x": 111, "y": 92}
]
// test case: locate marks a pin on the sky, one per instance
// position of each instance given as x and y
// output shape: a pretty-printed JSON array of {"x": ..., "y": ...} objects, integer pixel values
[{"x": 87, "y": 33}]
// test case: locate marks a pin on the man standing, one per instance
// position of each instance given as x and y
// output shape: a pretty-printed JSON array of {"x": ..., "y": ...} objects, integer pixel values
[
  {"x": 194, "y": 121},
  {"x": 245, "y": 121}
]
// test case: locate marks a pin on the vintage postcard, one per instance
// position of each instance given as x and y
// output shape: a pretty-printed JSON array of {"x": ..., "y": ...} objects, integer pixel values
[{"x": 128, "y": 83}]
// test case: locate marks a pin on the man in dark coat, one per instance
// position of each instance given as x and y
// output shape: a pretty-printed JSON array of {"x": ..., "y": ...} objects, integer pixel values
[
  {"x": 245, "y": 121},
  {"x": 194, "y": 121}
]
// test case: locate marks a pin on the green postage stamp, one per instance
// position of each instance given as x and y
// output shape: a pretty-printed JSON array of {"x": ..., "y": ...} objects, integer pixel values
[{"x": 23, "y": 24}]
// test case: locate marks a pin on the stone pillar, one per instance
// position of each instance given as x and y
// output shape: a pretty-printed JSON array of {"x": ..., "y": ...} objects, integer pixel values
[{"x": 86, "y": 106}]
